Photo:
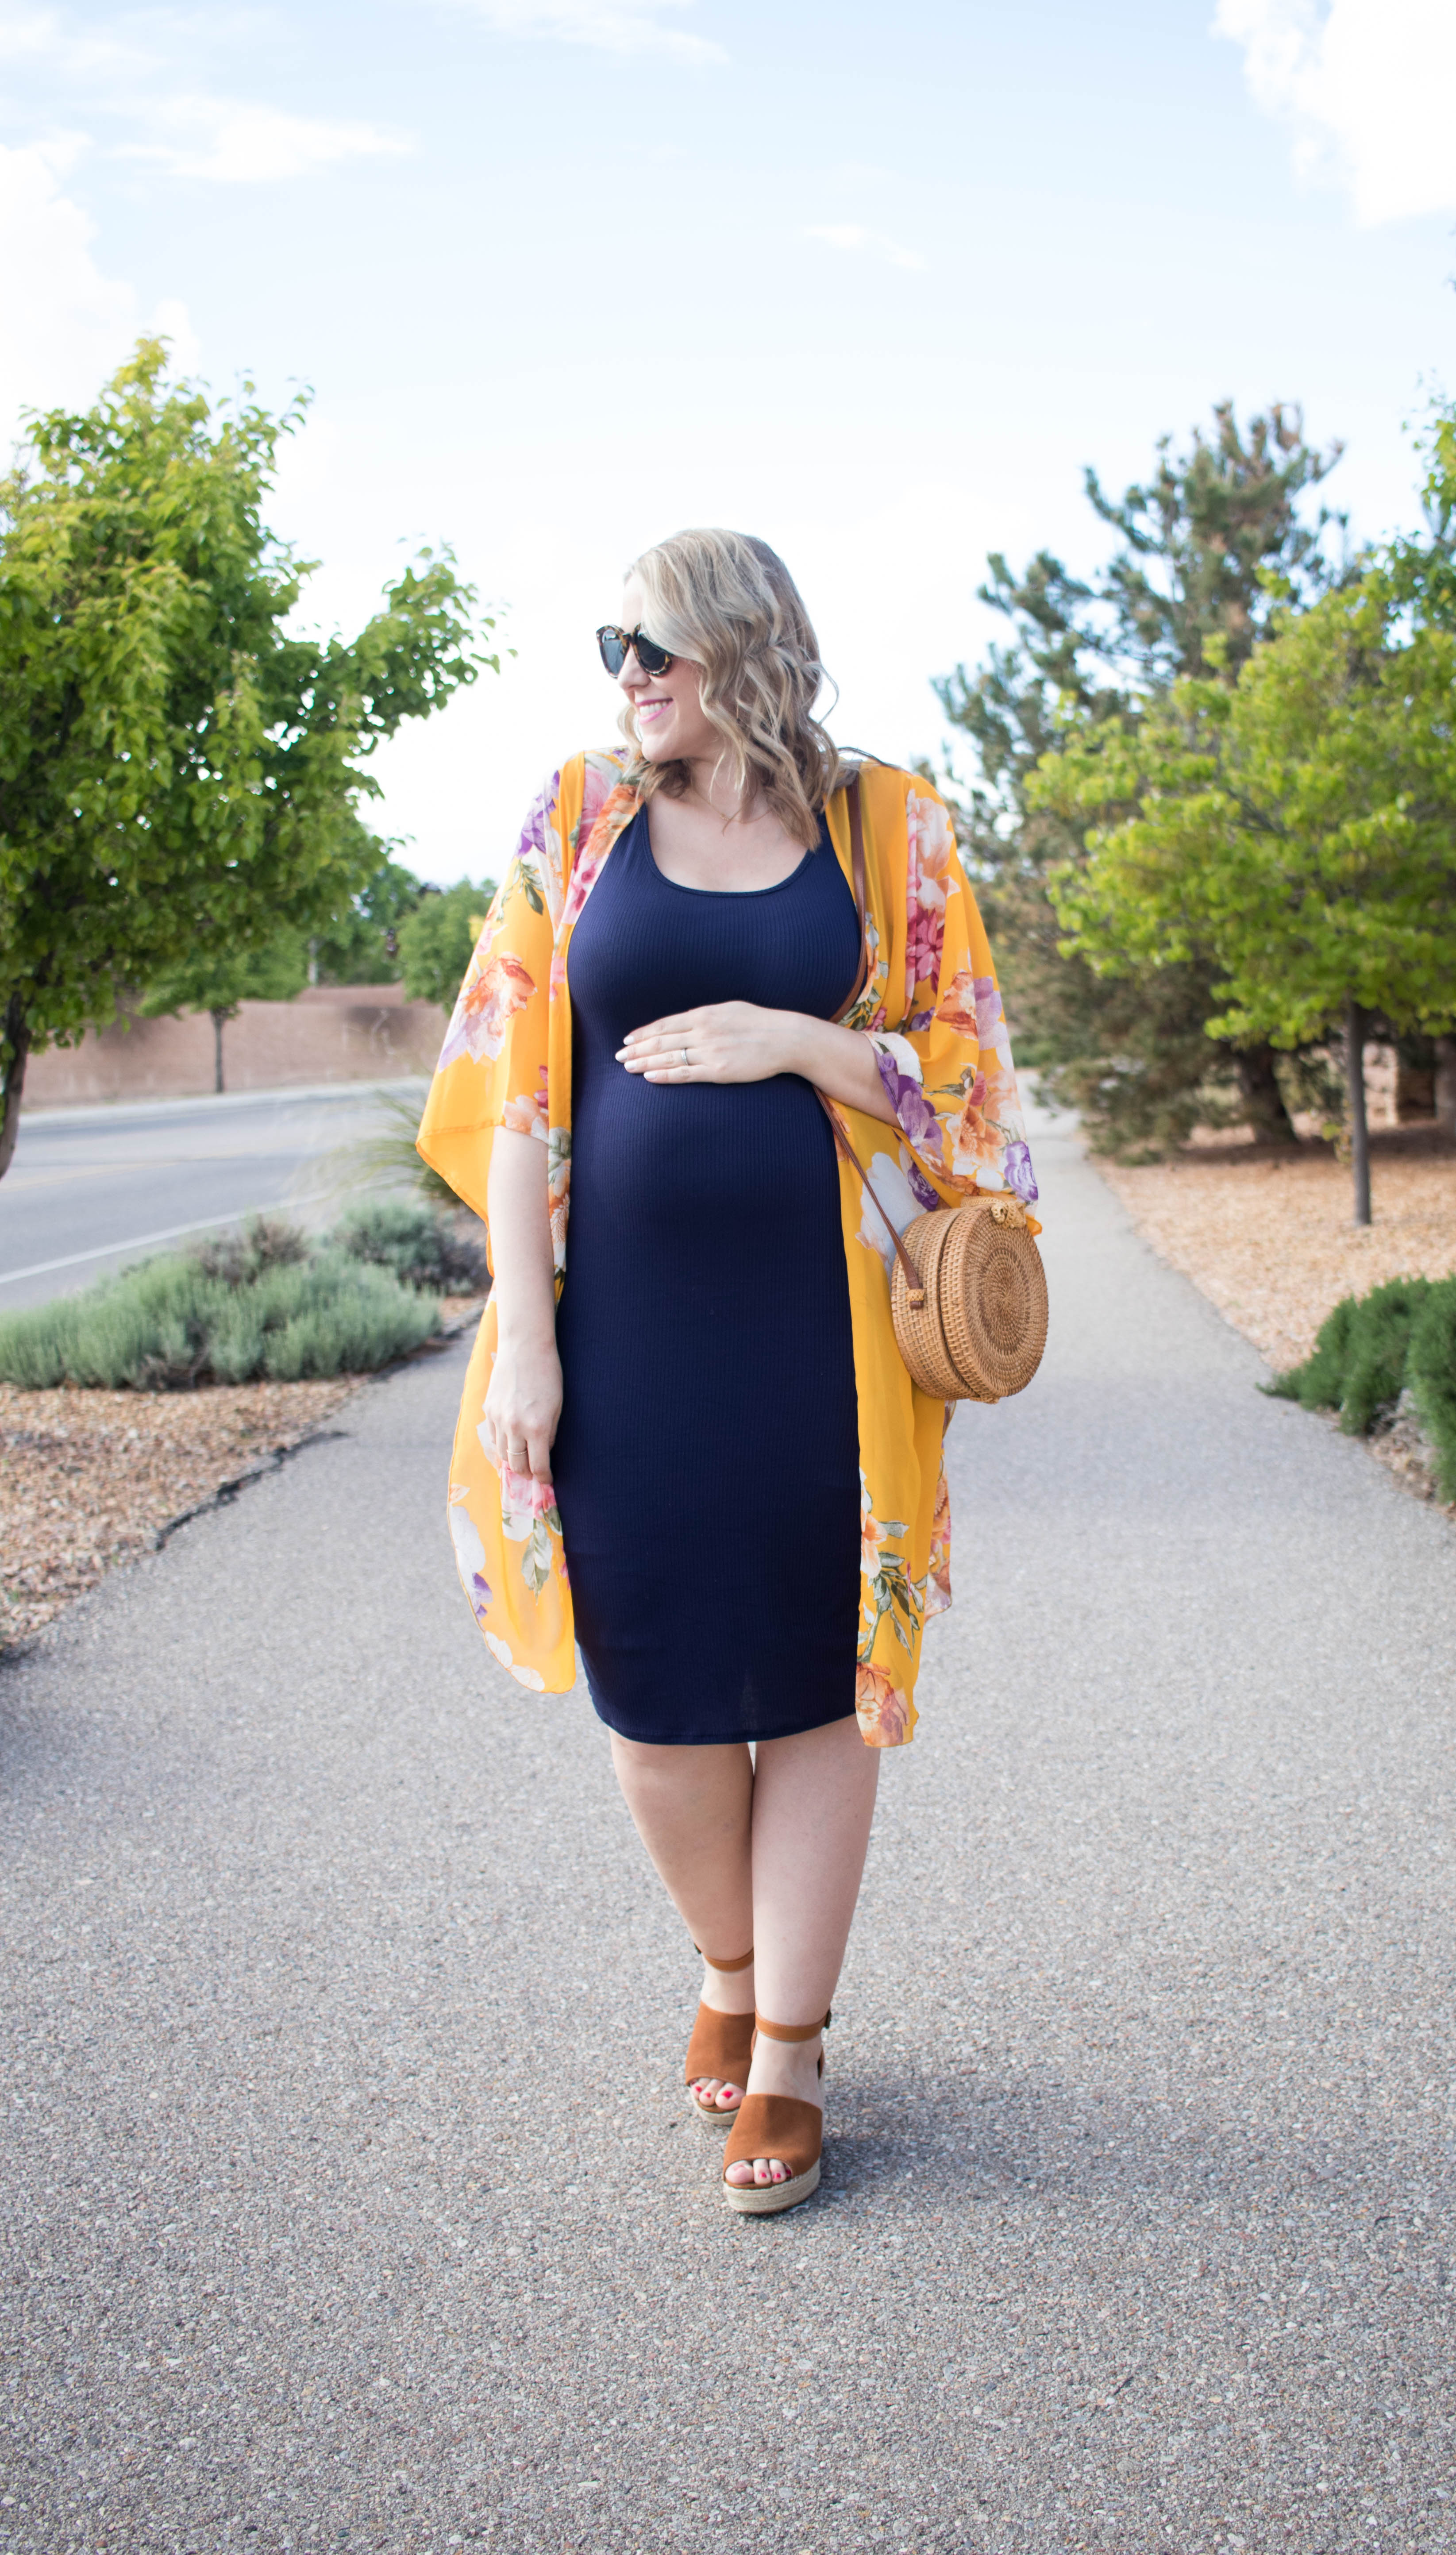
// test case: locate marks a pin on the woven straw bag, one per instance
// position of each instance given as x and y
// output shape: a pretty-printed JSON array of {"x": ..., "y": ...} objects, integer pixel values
[
  {"x": 968, "y": 1293},
  {"x": 967, "y": 1290}
]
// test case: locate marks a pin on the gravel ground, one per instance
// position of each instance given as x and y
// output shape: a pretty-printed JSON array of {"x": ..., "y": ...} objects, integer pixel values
[
  {"x": 1268, "y": 1234},
  {"x": 89, "y": 1478},
  {"x": 352, "y": 2202}
]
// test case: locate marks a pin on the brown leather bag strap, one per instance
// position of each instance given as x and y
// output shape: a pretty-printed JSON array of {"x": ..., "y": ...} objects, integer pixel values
[
  {"x": 857, "y": 865},
  {"x": 911, "y": 1274}
]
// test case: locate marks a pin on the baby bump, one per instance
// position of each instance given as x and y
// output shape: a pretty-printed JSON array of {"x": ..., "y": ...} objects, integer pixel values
[{"x": 649, "y": 1160}]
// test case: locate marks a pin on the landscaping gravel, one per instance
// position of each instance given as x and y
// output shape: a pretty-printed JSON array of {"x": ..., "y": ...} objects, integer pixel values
[
  {"x": 90, "y": 1477},
  {"x": 1268, "y": 1235},
  {"x": 351, "y": 2201}
]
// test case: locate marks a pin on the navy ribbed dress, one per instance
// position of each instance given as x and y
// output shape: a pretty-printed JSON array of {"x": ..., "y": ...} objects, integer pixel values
[{"x": 707, "y": 1459}]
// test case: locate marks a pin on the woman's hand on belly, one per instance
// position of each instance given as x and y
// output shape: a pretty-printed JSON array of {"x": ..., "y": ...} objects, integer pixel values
[{"x": 744, "y": 1042}]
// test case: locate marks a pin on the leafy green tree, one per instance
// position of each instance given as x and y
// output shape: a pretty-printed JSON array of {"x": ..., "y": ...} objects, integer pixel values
[
  {"x": 220, "y": 983},
  {"x": 179, "y": 773},
  {"x": 436, "y": 939},
  {"x": 1421, "y": 572},
  {"x": 1299, "y": 824},
  {"x": 361, "y": 946},
  {"x": 1198, "y": 544}
]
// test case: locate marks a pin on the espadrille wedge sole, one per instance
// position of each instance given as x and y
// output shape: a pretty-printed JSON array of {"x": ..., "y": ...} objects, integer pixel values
[
  {"x": 774, "y": 2125},
  {"x": 777, "y": 2125}
]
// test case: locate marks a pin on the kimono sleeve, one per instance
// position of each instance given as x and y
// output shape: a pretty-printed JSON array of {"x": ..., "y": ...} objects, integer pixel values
[
  {"x": 947, "y": 1069},
  {"x": 491, "y": 1070}
]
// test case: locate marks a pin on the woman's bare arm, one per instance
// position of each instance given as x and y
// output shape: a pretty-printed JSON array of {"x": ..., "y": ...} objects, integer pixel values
[{"x": 524, "y": 1401}]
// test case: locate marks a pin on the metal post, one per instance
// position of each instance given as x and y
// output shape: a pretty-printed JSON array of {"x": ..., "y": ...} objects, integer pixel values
[{"x": 1356, "y": 1018}]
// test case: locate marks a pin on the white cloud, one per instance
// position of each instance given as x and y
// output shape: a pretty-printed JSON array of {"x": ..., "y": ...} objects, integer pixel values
[
  {"x": 1370, "y": 88},
  {"x": 63, "y": 324},
  {"x": 185, "y": 132},
  {"x": 25, "y": 32},
  {"x": 250, "y": 144},
  {"x": 611, "y": 26},
  {"x": 171, "y": 321},
  {"x": 853, "y": 235},
  {"x": 39, "y": 36}
]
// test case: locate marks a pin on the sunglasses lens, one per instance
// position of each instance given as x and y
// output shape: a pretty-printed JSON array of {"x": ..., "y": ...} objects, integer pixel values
[
  {"x": 650, "y": 658},
  {"x": 614, "y": 650}
]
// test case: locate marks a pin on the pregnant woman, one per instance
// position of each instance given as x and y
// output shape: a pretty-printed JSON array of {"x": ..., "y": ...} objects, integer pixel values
[{"x": 687, "y": 1441}]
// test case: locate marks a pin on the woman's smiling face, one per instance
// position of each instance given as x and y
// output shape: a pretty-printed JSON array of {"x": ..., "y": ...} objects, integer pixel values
[{"x": 667, "y": 707}]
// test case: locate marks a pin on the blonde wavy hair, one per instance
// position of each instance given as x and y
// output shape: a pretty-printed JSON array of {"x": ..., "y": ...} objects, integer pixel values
[{"x": 728, "y": 604}]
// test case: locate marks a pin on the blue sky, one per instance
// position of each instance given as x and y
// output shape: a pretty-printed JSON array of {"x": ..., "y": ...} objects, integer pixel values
[{"x": 872, "y": 280}]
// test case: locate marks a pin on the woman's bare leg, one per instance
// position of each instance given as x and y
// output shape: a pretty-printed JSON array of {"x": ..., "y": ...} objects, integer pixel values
[
  {"x": 693, "y": 1810},
  {"x": 772, "y": 1858},
  {"x": 814, "y": 1798}
]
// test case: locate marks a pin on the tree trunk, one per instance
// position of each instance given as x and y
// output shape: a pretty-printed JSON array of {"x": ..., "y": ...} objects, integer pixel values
[
  {"x": 219, "y": 1018},
  {"x": 1264, "y": 1102},
  {"x": 1414, "y": 1097},
  {"x": 1355, "y": 1021},
  {"x": 18, "y": 1040},
  {"x": 1446, "y": 1085}
]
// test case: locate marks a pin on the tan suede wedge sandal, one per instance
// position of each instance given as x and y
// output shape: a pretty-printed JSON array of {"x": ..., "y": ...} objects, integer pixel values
[
  {"x": 777, "y": 2125},
  {"x": 721, "y": 2045}
]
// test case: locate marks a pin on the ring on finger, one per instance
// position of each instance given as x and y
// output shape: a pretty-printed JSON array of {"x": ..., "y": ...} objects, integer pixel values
[{"x": 686, "y": 1058}]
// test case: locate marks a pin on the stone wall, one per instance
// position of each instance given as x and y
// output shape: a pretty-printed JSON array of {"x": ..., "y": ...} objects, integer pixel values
[{"x": 327, "y": 1033}]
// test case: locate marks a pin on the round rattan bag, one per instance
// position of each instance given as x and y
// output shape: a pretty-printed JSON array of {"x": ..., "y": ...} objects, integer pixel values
[{"x": 980, "y": 1331}]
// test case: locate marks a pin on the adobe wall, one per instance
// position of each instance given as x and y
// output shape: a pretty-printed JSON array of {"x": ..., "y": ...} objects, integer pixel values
[{"x": 327, "y": 1033}]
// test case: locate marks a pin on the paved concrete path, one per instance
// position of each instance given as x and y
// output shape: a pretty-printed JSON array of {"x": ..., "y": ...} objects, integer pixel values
[{"x": 350, "y": 2197}]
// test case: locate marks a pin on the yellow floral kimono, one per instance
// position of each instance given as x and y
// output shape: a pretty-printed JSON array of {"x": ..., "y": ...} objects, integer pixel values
[{"x": 931, "y": 1007}]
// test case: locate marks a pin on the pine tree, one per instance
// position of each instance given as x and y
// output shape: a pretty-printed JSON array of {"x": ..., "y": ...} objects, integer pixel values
[{"x": 1207, "y": 546}]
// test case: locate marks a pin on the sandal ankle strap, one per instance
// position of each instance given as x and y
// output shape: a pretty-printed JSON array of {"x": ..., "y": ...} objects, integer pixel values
[
  {"x": 794, "y": 2030},
  {"x": 742, "y": 1962}
]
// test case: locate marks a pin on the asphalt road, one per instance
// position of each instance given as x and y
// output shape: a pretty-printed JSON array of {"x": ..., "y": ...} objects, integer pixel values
[
  {"x": 90, "y": 1189},
  {"x": 350, "y": 2195}
]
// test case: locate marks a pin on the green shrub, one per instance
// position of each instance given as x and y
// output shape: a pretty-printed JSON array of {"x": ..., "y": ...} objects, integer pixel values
[
  {"x": 35, "y": 1347},
  {"x": 171, "y": 1322},
  {"x": 265, "y": 1241},
  {"x": 352, "y": 1319},
  {"x": 147, "y": 1328},
  {"x": 1319, "y": 1384},
  {"x": 422, "y": 1247},
  {"x": 1359, "y": 1363},
  {"x": 1432, "y": 1375}
]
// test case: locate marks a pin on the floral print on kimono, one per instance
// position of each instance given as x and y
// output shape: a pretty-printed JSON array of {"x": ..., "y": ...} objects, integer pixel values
[{"x": 930, "y": 846}]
